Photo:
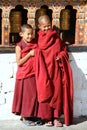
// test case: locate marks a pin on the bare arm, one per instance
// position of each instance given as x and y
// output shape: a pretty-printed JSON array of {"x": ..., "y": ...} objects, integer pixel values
[{"x": 20, "y": 60}]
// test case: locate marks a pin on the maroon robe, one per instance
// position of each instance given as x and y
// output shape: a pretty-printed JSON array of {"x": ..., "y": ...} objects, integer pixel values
[
  {"x": 54, "y": 78},
  {"x": 25, "y": 94}
]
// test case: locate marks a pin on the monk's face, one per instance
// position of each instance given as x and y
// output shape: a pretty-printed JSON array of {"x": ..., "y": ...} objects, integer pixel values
[
  {"x": 27, "y": 35},
  {"x": 45, "y": 25}
]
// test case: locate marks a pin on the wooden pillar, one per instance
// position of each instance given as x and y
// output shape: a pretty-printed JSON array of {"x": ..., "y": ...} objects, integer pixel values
[
  {"x": 80, "y": 28},
  {"x": 56, "y": 18},
  {"x": 5, "y": 27},
  {"x": 76, "y": 30},
  {"x": 31, "y": 17},
  {"x": 85, "y": 31}
]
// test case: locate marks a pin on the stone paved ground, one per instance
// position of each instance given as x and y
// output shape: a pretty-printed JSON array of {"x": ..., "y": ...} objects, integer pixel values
[{"x": 78, "y": 124}]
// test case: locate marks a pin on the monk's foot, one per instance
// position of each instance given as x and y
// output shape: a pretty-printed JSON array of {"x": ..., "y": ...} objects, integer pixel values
[
  {"x": 57, "y": 123},
  {"x": 49, "y": 123}
]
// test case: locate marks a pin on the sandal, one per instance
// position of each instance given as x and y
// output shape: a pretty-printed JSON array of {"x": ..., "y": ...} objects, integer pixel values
[
  {"x": 21, "y": 118},
  {"x": 49, "y": 123},
  {"x": 57, "y": 123},
  {"x": 28, "y": 123},
  {"x": 39, "y": 122}
]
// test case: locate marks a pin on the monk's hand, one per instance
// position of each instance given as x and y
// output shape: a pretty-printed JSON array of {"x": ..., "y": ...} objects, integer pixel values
[
  {"x": 57, "y": 58},
  {"x": 32, "y": 52}
]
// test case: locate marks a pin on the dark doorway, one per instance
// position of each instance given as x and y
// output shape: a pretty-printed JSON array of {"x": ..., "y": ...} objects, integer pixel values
[
  {"x": 18, "y": 16},
  {"x": 68, "y": 33}
]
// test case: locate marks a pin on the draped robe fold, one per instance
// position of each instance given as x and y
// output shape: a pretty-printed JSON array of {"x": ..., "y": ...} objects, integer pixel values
[{"x": 54, "y": 77}]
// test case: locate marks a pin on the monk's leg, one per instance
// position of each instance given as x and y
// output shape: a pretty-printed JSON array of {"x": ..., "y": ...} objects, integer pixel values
[
  {"x": 45, "y": 112},
  {"x": 57, "y": 114}
]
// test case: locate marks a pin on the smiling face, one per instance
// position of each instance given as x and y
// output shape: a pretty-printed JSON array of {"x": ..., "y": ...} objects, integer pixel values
[
  {"x": 44, "y": 26},
  {"x": 27, "y": 34},
  {"x": 44, "y": 23}
]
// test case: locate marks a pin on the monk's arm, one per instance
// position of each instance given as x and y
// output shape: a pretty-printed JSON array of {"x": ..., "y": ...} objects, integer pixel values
[{"x": 21, "y": 60}]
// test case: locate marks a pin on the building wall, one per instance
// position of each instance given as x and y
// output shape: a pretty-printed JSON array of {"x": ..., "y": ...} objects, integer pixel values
[
  {"x": 8, "y": 69},
  {"x": 56, "y": 7}
]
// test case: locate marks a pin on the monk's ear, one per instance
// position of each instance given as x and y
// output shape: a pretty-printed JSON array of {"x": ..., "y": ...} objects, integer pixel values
[
  {"x": 21, "y": 34},
  {"x": 39, "y": 26}
]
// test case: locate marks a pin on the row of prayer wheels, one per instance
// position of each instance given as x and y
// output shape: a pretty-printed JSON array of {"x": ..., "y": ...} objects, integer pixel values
[{"x": 16, "y": 19}]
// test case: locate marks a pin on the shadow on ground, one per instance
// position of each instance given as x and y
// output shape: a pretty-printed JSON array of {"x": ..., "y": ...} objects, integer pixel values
[{"x": 80, "y": 119}]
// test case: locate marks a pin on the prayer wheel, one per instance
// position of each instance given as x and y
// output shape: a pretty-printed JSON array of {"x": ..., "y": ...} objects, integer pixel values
[
  {"x": 41, "y": 12},
  {"x": 15, "y": 21},
  {"x": 65, "y": 19},
  {"x": 15, "y": 25}
]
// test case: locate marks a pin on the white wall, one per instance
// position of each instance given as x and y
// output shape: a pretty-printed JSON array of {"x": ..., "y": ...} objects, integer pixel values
[
  {"x": 79, "y": 67},
  {"x": 8, "y": 68},
  {"x": 7, "y": 80}
]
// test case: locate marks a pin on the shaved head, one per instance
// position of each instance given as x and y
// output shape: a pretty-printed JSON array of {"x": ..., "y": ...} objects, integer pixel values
[
  {"x": 43, "y": 19},
  {"x": 44, "y": 23}
]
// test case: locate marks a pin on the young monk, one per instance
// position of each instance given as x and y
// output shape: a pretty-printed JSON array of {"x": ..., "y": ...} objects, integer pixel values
[
  {"x": 25, "y": 95},
  {"x": 53, "y": 76}
]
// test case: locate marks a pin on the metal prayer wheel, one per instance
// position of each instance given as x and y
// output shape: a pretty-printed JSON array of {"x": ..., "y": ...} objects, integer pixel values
[
  {"x": 65, "y": 19},
  {"x": 15, "y": 21},
  {"x": 41, "y": 12}
]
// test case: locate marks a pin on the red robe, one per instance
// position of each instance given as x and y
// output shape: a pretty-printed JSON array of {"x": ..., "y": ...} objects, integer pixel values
[
  {"x": 28, "y": 68},
  {"x": 25, "y": 94},
  {"x": 54, "y": 78}
]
